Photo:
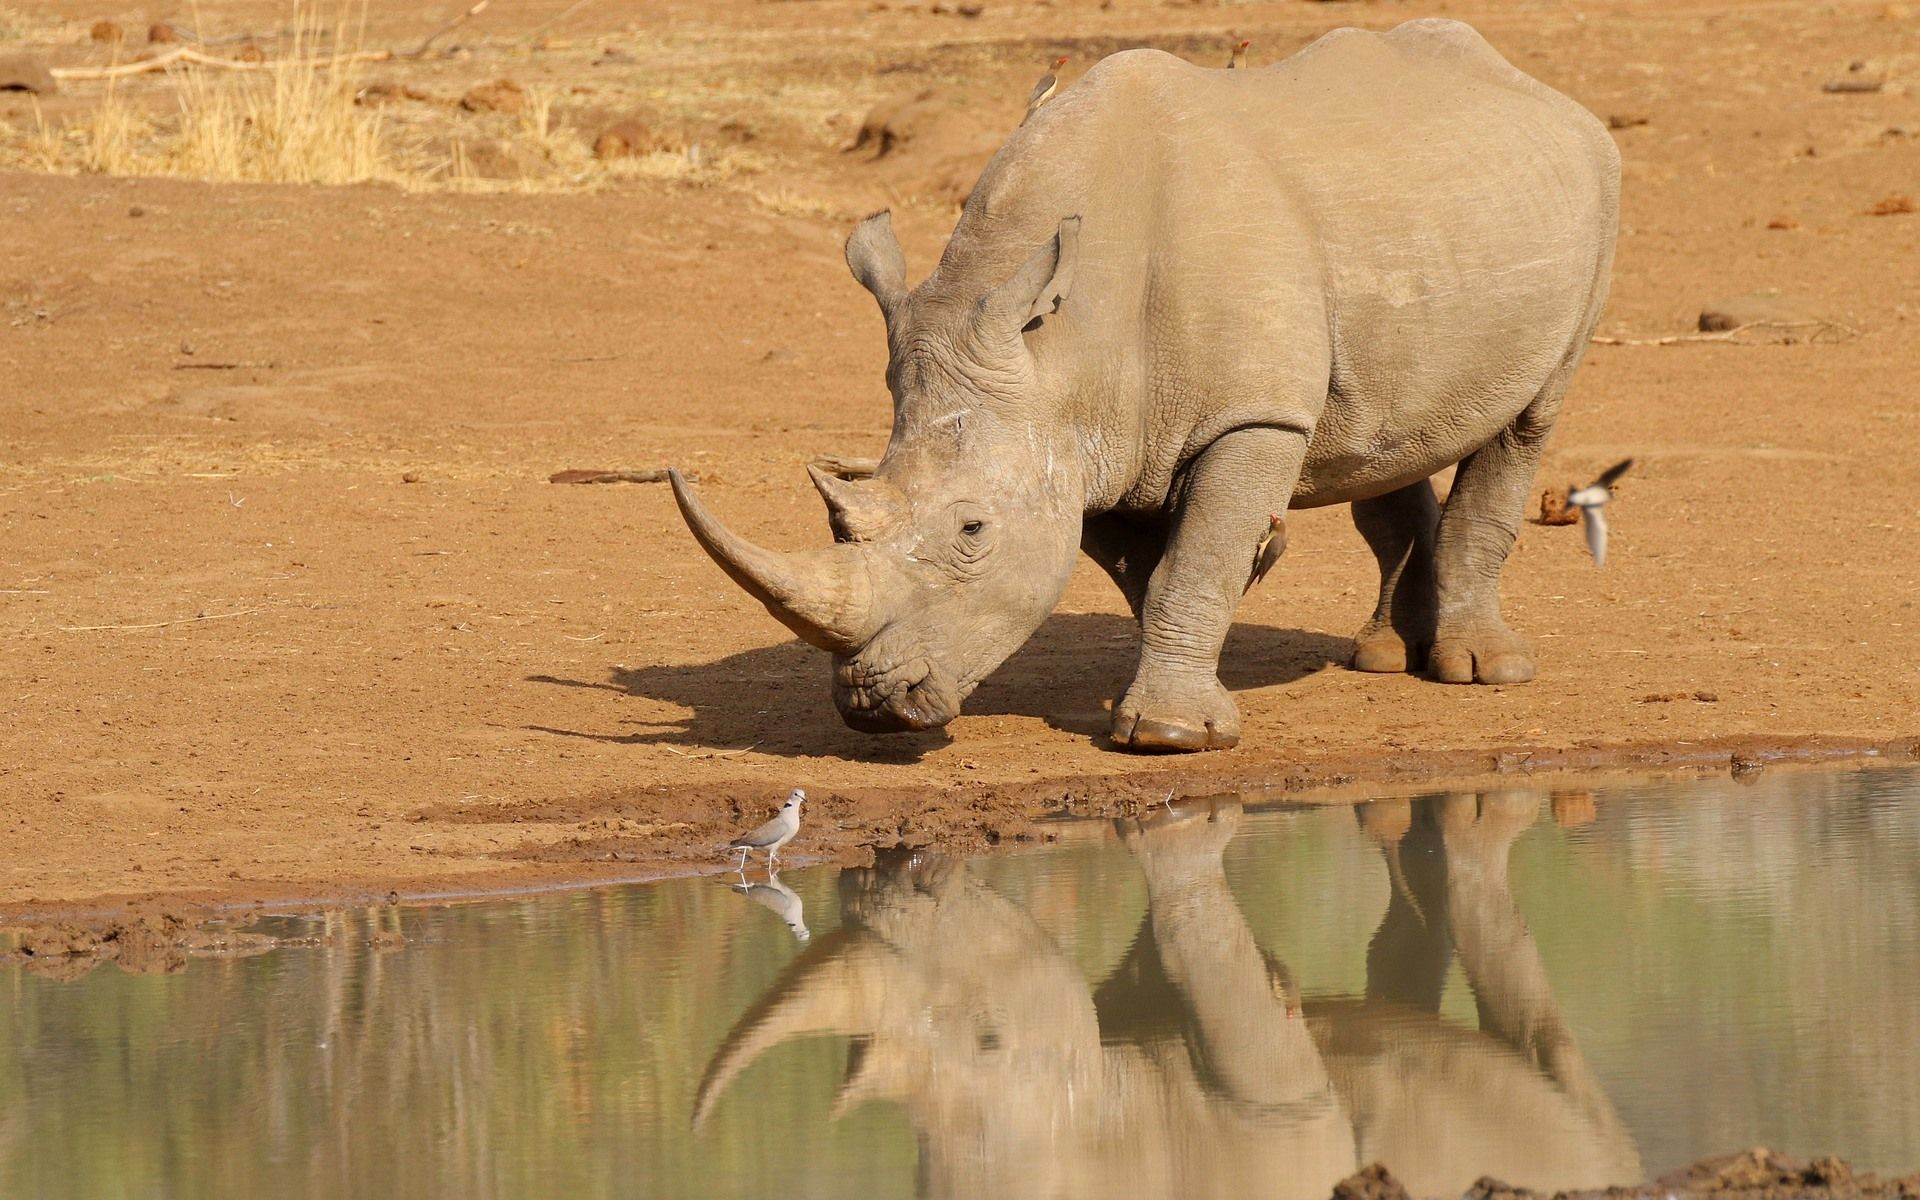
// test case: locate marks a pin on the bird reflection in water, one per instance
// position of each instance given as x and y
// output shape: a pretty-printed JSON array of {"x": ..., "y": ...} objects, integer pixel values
[
  {"x": 783, "y": 900},
  {"x": 1195, "y": 1067}
]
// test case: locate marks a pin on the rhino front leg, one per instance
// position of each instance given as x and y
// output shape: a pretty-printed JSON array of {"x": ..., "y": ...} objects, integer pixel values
[{"x": 1176, "y": 701}]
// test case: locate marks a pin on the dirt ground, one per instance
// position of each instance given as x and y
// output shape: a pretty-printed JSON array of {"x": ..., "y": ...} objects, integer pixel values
[{"x": 290, "y": 610}]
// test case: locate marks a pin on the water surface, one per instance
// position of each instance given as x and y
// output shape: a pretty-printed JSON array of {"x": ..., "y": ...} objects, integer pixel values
[{"x": 1576, "y": 989}]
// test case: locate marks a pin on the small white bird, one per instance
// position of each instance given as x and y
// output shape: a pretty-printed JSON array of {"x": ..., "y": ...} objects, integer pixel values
[
  {"x": 782, "y": 899},
  {"x": 775, "y": 833},
  {"x": 1590, "y": 500},
  {"x": 1267, "y": 552}
]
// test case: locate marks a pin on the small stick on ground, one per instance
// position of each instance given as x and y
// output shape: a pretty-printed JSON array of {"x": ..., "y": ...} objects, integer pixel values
[
  {"x": 1729, "y": 335},
  {"x": 449, "y": 27},
  {"x": 589, "y": 475},
  {"x": 710, "y": 753},
  {"x": 188, "y": 54},
  {"x": 163, "y": 624},
  {"x": 566, "y": 12}
]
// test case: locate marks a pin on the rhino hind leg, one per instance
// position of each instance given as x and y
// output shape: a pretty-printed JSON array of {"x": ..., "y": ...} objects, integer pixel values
[
  {"x": 1400, "y": 527},
  {"x": 1176, "y": 701},
  {"x": 1472, "y": 642}
]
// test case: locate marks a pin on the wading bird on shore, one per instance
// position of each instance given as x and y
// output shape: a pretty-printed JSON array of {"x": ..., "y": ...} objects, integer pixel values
[
  {"x": 1239, "y": 56},
  {"x": 775, "y": 833}
]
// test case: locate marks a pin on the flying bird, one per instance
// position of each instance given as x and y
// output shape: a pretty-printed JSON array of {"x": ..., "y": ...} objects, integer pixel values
[
  {"x": 782, "y": 899},
  {"x": 1239, "y": 58},
  {"x": 1272, "y": 545},
  {"x": 775, "y": 833},
  {"x": 1043, "y": 90},
  {"x": 1591, "y": 500}
]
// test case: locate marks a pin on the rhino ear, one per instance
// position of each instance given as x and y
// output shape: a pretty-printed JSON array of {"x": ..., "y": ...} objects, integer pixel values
[
  {"x": 874, "y": 255},
  {"x": 1039, "y": 286}
]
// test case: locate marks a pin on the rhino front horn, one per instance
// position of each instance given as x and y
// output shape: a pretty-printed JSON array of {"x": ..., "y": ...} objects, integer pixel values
[{"x": 824, "y": 596}]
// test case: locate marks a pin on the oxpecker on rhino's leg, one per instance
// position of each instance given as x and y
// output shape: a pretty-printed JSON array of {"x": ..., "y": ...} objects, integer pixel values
[
  {"x": 1399, "y": 528},
  {"x": 1176, "y": 701}
]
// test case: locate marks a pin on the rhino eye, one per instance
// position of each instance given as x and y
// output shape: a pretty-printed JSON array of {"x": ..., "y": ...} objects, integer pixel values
[{"x": 972, "y": 528}]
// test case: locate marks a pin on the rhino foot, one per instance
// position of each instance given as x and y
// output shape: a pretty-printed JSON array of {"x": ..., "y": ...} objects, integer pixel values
[
  {"x": 1380, "y": 648},
  {"x": 1489, "y": 654},
  {"x": 1176, "y": 717}
]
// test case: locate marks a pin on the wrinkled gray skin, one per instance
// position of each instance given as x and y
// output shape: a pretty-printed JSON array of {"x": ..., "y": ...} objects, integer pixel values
[{"x": 1181, "y": 299}]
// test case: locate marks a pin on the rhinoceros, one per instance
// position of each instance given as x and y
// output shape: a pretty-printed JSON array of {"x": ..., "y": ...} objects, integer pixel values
[{"x": 1182, "y": 300}]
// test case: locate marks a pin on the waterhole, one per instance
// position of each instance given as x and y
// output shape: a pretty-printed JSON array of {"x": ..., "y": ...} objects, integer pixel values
[{"x": 1560, "y": 989}]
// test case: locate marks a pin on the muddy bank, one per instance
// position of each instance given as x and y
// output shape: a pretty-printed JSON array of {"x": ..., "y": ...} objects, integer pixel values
[
  {"x": 158, "y": 940},
  {"x": 639, "y": 836},
  {"x": 1753, "y": 1174}
]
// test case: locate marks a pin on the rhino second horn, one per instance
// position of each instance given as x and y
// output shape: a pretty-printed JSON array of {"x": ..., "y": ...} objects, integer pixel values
[
  {"x": 824, "y": 596},
  {"x": 857, "y": 510}
]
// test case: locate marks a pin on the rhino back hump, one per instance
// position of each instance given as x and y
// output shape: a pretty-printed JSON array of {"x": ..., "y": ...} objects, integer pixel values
[{"x": 1390, "y": 239}]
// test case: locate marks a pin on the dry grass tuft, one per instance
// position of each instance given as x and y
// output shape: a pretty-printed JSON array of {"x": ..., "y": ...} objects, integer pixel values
[
  {"x": 293, "y": 123},
  {"x": 303, "y": 118},
  {"x": 298, "y": 125}
]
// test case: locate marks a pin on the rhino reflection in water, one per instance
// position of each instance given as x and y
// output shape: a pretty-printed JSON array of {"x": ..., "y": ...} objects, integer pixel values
[{"x": 1193, "y": 1069}]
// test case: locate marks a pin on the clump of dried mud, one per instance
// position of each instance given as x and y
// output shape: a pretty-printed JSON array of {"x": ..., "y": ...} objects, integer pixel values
[{"x": 149, "y": 940}]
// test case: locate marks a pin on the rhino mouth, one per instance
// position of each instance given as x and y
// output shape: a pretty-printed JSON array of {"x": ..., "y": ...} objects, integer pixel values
[{"x": 905, "y": 697}]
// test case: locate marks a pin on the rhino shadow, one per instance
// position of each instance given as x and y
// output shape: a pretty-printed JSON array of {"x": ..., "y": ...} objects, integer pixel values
[
  {"x": 1066, "y": 675},
  {"x": 1195, "y": 1068}
]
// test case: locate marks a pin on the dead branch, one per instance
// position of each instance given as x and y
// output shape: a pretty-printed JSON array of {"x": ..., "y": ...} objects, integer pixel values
[
  {"x": 710, "y": 753},
  {"x": 159, "y": 624},
  {"x": 566, "y": 12},
  {"x": 187, "y": 54},
  {"x": 590, "y": 475},
  {"x": 449, "y": 27},
  {"x": 1731, "y": 335}
]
